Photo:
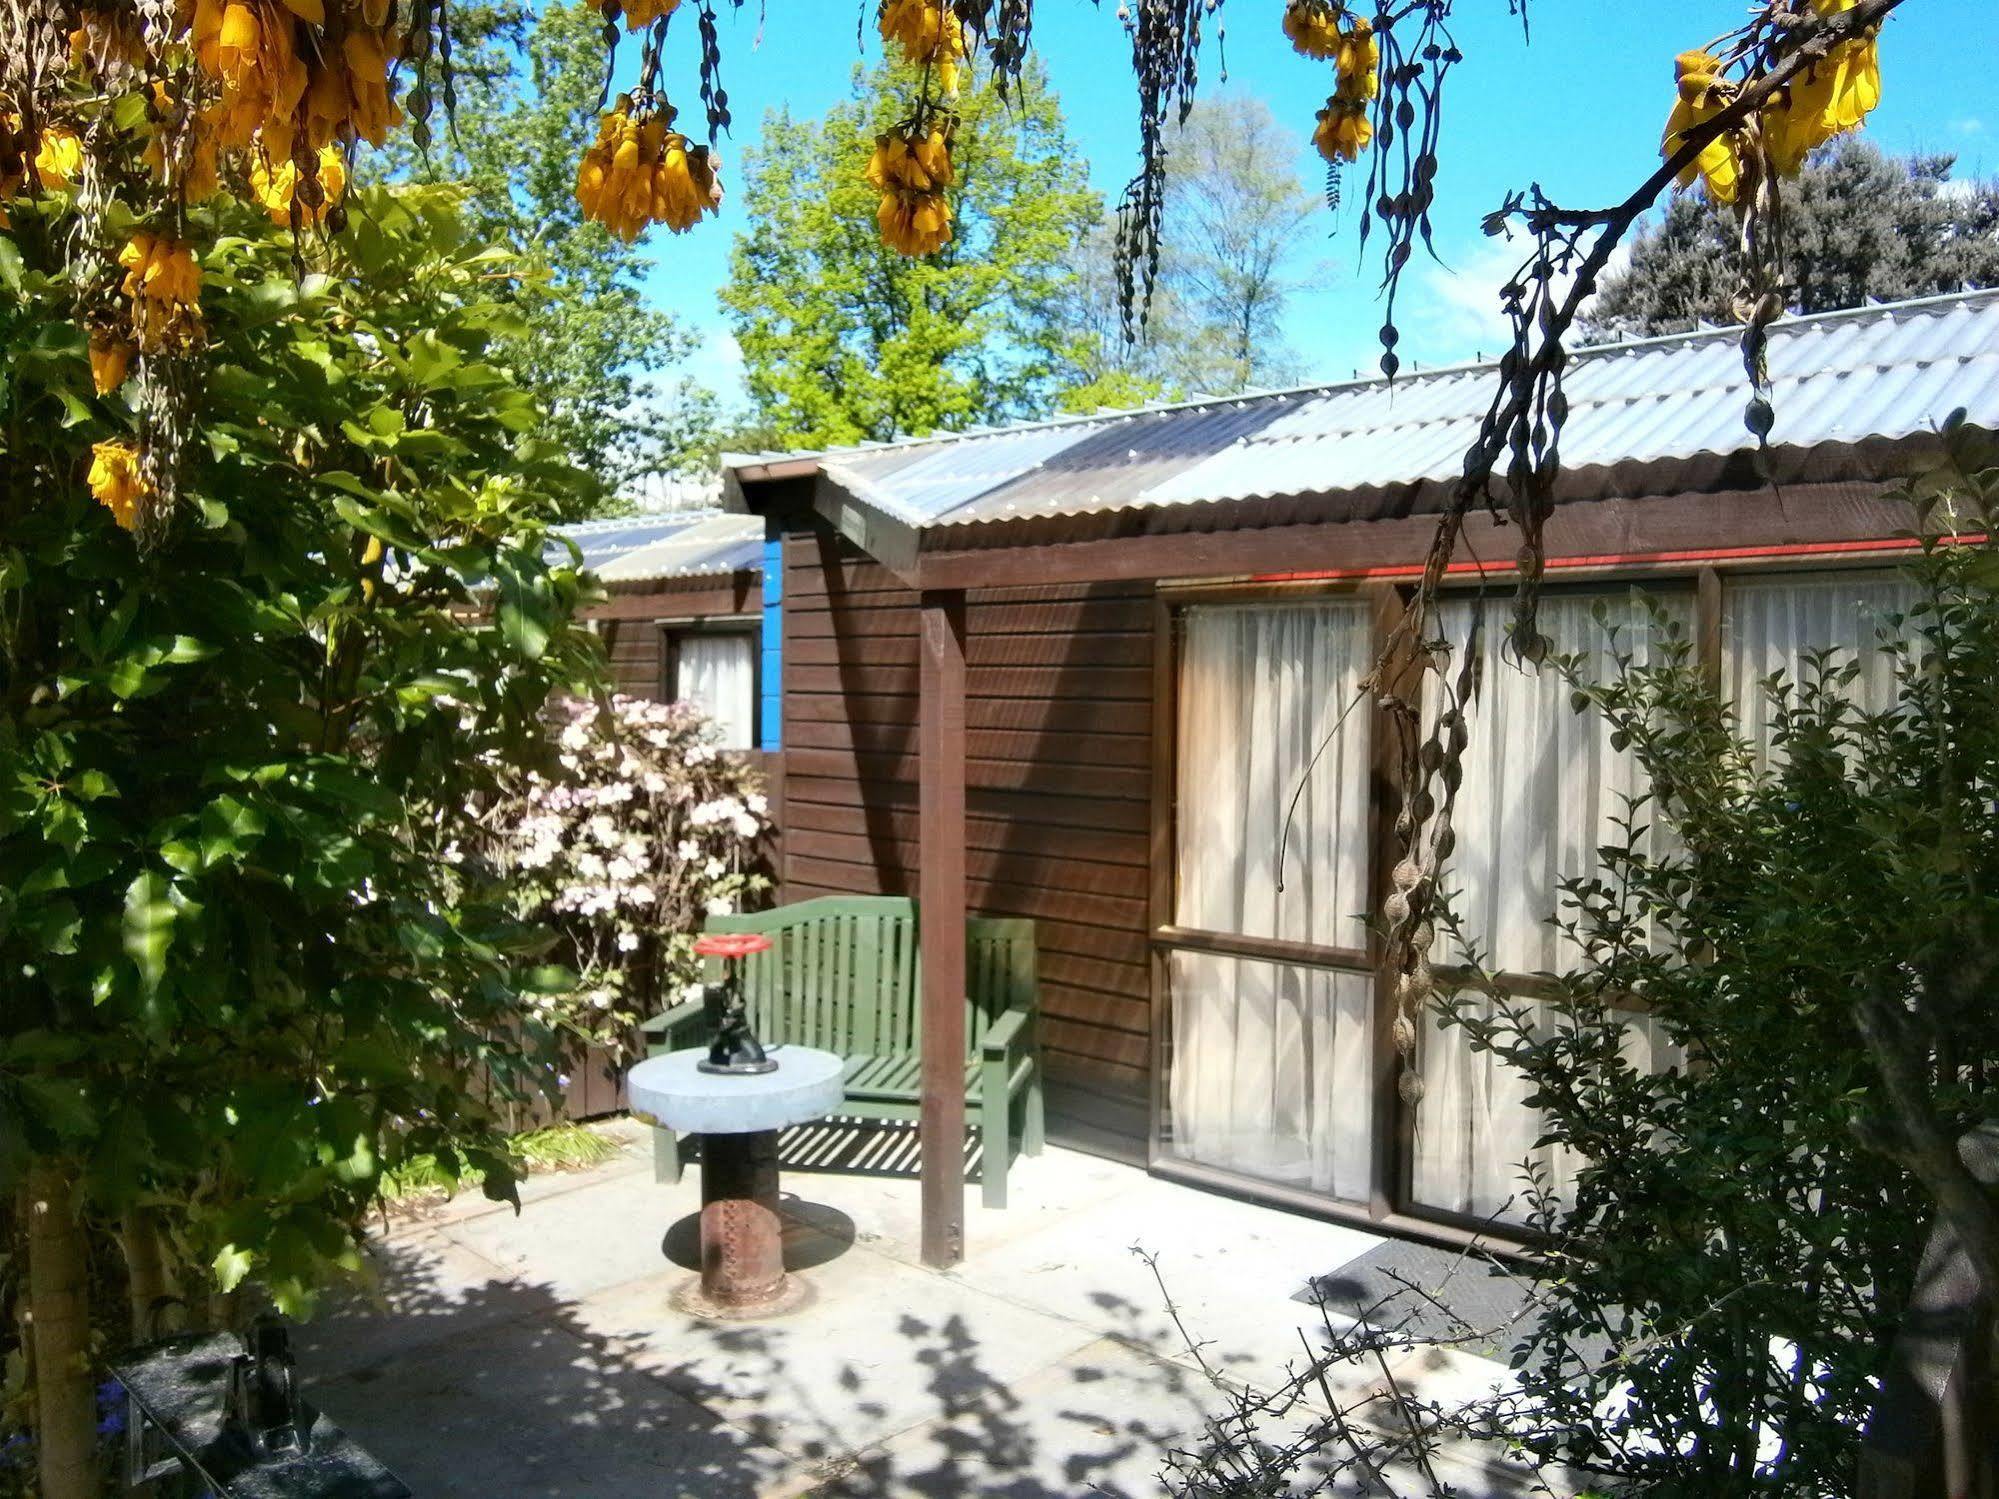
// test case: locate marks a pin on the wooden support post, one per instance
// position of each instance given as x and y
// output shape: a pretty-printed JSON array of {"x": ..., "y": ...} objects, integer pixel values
[{"x": 941, "y": 917}]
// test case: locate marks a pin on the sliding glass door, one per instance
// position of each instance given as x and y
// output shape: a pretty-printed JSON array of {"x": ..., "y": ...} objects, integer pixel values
[
  {"x": 1276, "y": 1066},
  {"x": 1545, "y": 788},
  {"x": 1271, "y": 994}
]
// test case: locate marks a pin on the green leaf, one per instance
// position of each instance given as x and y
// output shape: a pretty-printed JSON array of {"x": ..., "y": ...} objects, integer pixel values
[
  {"x": 231, "y": 1265},
  {"x": 149, "y": 926},
  {"x": 58, "y": 1104},
  {"x": 525, "y": 614},
  {"x": 377, "y": 520}
]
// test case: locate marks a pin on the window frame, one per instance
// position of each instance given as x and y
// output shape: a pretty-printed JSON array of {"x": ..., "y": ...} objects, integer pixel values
[
  {"x": 673, "y": 631},
  {"x": 1390, "y": 1202}
]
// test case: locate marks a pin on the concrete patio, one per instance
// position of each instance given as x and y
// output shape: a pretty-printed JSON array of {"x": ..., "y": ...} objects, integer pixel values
[{"x": 538, "y": 1354}]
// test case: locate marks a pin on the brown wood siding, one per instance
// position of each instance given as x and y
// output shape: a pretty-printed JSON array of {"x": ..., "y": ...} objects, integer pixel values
[
  {"x": 1058, "y": 773},
  {"x": 627, "y": 622}
]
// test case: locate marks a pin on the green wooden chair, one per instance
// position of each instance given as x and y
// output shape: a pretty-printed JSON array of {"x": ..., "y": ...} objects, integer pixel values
[{"x": 844, "y": 974}]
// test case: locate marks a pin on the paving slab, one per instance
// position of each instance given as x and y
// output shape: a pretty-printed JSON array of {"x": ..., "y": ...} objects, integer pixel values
[
  {"x": 423, "y": 1291},
  {"x": 542, "y": 1408},
  {"x": 610, "y": 1230},
  {"x": 516, "y": 1356},
  {"x": 882, "y": 1348},
  {"x": 1228, "y": 1267},
  {"x": 1099, "y": 1422}
]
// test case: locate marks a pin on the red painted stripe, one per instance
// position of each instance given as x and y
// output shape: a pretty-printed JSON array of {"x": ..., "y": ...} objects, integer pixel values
[{"x": 1621, "y": 559}]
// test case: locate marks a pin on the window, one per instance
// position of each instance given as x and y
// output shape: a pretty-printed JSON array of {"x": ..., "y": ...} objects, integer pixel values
[
  {"x": 715, "y": 668},
  {"x": 1270, "y": 1057},
  {"x": 1270, "y": 1005},
  {"x": 1543, "y": 790},
  {"x": 1771, "y": 624}
]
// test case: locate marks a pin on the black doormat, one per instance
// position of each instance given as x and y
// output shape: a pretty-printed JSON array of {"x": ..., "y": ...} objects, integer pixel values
[{"x": 1429, "y": 1295}]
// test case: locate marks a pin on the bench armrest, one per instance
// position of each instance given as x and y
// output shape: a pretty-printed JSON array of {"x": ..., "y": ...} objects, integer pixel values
[
  {"x": 1005, "y": 1034},
  {"x": 667, "y": 1022}
]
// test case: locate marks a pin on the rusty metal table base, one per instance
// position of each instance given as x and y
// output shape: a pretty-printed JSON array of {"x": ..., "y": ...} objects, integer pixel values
[{"x": 742, "y": 1236}]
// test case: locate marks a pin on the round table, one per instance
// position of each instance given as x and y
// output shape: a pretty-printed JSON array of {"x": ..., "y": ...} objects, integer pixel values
[{"x": 738, "y": 1117}]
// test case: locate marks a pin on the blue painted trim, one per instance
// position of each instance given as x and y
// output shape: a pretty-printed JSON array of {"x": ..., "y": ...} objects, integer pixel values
[{"x": 771, "y": 721}]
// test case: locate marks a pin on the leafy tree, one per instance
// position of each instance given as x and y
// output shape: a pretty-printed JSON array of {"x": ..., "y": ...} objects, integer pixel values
[
  {"x": 845, "y": 340},
  {"x": 1236, "y": 214},
  {"x": 243, "y": 978},
  {"x": 1236, "y": 211},
  {"x": 1859, "y": 225},
  {"x": 594, "y": 350}
]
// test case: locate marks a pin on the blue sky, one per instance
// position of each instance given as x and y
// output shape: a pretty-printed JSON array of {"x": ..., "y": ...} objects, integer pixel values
[{"x": 1579, "y": 108}]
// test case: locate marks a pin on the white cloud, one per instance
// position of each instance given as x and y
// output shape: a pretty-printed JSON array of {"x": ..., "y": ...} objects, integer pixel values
[
  {"x": 1969, "y": 125},
  {"x": 718, "y": 364},
  {"x": 1452, "y": 312}
]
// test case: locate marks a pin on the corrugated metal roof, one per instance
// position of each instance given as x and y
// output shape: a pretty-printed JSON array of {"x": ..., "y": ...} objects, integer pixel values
[
  {"x": 1838, "y": 378},
  {"x": 685, "y": 544}
]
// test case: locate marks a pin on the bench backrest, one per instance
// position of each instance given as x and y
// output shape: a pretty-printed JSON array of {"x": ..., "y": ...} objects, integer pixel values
[{"x": 844, "y": 974}]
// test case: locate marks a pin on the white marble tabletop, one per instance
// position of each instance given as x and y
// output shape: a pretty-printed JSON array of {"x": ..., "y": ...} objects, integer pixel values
[{"x": 672, "y": 1091}]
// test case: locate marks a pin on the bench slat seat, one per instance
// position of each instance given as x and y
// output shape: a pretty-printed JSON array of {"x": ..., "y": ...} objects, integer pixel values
[{"x": 844, "y": 974}]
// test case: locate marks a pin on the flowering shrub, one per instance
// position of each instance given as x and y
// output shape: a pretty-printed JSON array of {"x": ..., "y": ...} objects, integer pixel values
[{"x": 644, "y": 828}]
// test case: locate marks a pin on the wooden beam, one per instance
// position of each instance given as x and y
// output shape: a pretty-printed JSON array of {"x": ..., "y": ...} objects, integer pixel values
[
  {"x": 850, "y": 509},
  {"x": 941, "y": 923},
  {"x": 1617, "y": 533}
]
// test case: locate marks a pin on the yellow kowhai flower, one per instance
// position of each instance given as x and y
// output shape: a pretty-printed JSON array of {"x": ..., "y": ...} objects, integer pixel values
[
  {"x": 928, "y": 34},
  {"x": 110, "y": 361},
  {"x": 163, "y": 281},
  {"x": 349, "y": 97},
  {"x": 900, "y": 164},
  {"x": 914, "y": 224},
  {"x": 1835, "y": 95},
  {"x": 1703, "y": 93},
  {"x": 912, "y": 172},
  {"x": 640, "y": 14},
  {"x": 59, "y": 159},
  {"x": 639, "y": 172},
  {"x": 1344, "y": 130},
  {"x": 1323, "y": 29},
  {"x": 277, "y": 186},
  {"x": 117, "y": 481}
]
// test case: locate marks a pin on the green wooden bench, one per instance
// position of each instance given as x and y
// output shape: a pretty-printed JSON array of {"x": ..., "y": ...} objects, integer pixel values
[{"x": 844, "y": 974}]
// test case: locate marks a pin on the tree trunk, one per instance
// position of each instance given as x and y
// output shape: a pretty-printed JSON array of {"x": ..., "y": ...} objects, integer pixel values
[
  {"x": 59, "y": 1309},
  {"x": 149, "y": 1288}
]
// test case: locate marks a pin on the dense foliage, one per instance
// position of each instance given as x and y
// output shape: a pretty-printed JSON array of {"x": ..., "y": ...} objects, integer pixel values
[
  {"x": 639, "y": 829},
  {"x": 243, "y": 980},
  {"x": 1812, "y": 927},
  {"x": 844, "y": 339},
  {"x": 596, "y": 352},
  {"x": 1860, "y": 226}
]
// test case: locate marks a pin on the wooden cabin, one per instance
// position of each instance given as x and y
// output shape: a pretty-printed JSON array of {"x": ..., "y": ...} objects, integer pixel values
[{"x": 1083, "y": 670}]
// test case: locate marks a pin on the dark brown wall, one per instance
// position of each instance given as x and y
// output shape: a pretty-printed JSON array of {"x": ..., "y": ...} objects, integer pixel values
[
  {"x": 628, "y": 626},
  {"x": 1058, "y": 772}
]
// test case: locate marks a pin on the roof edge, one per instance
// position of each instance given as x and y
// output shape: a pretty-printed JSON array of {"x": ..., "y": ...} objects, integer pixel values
[{"x": 763, "y": 468}]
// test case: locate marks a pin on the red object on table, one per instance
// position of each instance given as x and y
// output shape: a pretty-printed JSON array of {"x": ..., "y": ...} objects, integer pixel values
[{"x": 730, "y": 944}]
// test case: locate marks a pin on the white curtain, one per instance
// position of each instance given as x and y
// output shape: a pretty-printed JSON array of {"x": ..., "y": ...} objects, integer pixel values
[
  {"x": 1270, "y": 1061},
  {"x": 1543, "y": 791},
  {"x": 1270, "y": 1070},
  {"x": 718, "y": 673},
  {"x": 1771, "y": 624}
]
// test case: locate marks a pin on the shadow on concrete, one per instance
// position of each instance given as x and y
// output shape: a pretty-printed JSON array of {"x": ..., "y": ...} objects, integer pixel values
[
  {"x": 469, "y": 1384},
  {"x": 852, "y": 1147}
]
